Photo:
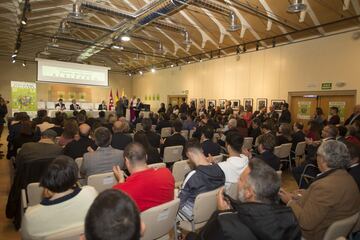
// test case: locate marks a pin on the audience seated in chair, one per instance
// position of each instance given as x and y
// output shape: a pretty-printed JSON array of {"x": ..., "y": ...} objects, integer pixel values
[
  {"x": 354, "y": 167},
  {"x": 77, "y": 148},
  {"x": 65, "y": 204},
  {"x": 113, "y": 215},
  {"x": 71, "y": 130},
  {"x": 120, "y": 138},
  {"x": 332, "y": 196},
  {"x": 254, "y": 130},
  {"x": 104, "y": 158},
  {"x": 237, "y": 161},
  {"x": 176, "y": 139},
  {"x": 26, "y": 134},
  {"x": 298, "y": 135},
  {"x": 206, "y": 177},
  {"x": 152, "y": 137},
  {"x": 256, "y": 213},
  {"x": 267, "y": 143},
  {"x": 153, "y": 155},
  {"x": 148, "y": 187},
  {"x": 207, "y": 144},
  {"x": 45, "y": 148},
  {"x": 284, "y": 134},
  {"x": 58, "y": 123}
]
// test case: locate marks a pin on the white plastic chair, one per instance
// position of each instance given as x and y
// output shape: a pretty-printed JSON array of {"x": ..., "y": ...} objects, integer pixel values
[
  {"x": 277, "y": 150},
  {"x": 217, "y": 158},
  {"x": 79, "y": 162},
  {"x": 232, "y": 190},
  {"x": 172, "y": 154},
  {"x": 341, "y": 228},
  {"x": 70, "y": 234},
  {"x": 102, "y": 181},
  {"x": 191, "y": 133},
  {"x": 153, "y": 128},
  {"x": 179, "y": 170},
  {"x": 160, "y": 220},
  {"x": 285, "y": 153},
  {"x": 185, "y": 134},
  {"x": 34, "y": 193},
  {"x": 299, "y": 152},
  {"x": 165, "y": 132},
  {"x": 138, "y": 127},
  {"x": 248, "y": 143},
  {"x": 204, "y": 206},
  {"x": 157, "y": 165}
]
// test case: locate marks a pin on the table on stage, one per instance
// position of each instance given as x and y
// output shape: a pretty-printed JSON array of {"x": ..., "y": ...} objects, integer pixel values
[{"x": 89, "y": 113}]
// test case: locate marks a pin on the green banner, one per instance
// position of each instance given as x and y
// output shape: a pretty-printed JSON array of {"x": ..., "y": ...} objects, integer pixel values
[
  {"x": 23, "y": 96},
  {"x": 304, "y": 110}
]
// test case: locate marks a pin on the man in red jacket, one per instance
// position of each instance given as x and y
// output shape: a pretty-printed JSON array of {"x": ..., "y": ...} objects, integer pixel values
[{"x": 148, "y": 187}]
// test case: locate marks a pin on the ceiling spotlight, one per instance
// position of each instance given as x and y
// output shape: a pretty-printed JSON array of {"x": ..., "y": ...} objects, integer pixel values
[
  {"x": 53, "y": 43},
  {"x": 24, "y": 64},
  {"x": 187, "y": 40},
  {"x": 14, "y": 55},
  {"x": 16, "y": 51},
  {"x": 244, "y": 48},
  {"x": 238, "y": 50},
  {"x": 141, "y": 73},
  {"x": 125, "y": 38},
  {"x": 76, "y": 13},
  {"x": 153, "y": 70},
  {"x": 233, "y": 26},
  {"x": 160, "y": 50},
  {"x": 117, "y": 47},
  {"x": 24, "y": 21},
  {"x": 200, "y": 59},
  {"x": 257, "y": 46},
  {"x": 273, "y": 42},
  {"x": 13, "y": 60},
  {"x": 129, "y": 74},
  {"x": 297, "y": 6},
  {"x": 172, "y": 65},
  {"x": 188, "y": 61}
]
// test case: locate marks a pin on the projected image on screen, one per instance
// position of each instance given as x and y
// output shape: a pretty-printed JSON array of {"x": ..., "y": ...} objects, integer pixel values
[{"x": 63, "y": 72}]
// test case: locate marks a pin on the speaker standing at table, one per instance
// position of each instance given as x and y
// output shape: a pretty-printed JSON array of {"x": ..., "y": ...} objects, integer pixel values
[
  {"x": 60, "y": 105},
  {"x": 102, "y": 106},
  {"x": 74, "y": 105}
]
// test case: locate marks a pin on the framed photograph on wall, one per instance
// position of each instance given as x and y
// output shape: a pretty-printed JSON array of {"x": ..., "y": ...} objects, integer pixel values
[
  {"x": 222, "y": 103},
  {"x": 202, "y": 102},
  {"x": 193, "y": 100},
  {"x": 277, "y": 104},
  {"x": 235, "y": 104},
  {"x": 211, "y": 102},
  {"x": 248, "y": 102},
  {"x": 261, "y": 103}
]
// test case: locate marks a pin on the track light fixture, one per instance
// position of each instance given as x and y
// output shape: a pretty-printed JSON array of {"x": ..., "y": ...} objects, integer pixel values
[
  {"x": 125, "y": 38},
  {"x": 244, "y": 48},
  {"x": 140, "y": 72},
  {"x": 233, "y": 26},
  {"x": 153, "y": 70},
  {"x": 297, "y": 6},
  {"x": 24, "y": 64},
  {"x": 172, "y": 65},
  {"x": 187, "y": 40},
  {"x": 257, "y": 46},
  {"x": 14, "y": 55},
  {"x": 13, "y": 60},
  {"x": 273, "y": 43}
]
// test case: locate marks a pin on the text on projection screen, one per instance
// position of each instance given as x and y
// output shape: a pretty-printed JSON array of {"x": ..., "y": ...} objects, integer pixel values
[{"x": 74, "y": 73}]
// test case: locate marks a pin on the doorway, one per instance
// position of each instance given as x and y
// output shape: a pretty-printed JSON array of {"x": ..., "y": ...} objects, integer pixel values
[
  {"x": 176, "y": 99},
  {"x": 304, "y": 104}
]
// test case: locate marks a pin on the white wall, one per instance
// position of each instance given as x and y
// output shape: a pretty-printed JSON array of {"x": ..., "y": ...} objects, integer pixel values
[{"x": 270, "y": 73}]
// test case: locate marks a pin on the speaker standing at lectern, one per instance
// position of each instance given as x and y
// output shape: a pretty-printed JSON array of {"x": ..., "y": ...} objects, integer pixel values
[
  {"x": 60, "y": 105},
  {"x": 102, "y": 106},
  {"x": 74, "y": 105}
]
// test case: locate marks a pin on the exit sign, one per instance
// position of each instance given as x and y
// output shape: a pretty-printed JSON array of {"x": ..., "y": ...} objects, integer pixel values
[{"x": 326, "y": 86}]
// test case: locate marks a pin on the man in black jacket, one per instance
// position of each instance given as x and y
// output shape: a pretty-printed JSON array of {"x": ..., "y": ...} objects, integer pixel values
[
  {"x": 206, "y": 177},
  {"x": 355, "y": 116},
  {"x": 120, "y": 138},
  {"x": 208, "y": 146},
  {"x": 285, "y": 114},
  {"x": 176, "y": 139},
  {"x": 256, "y": 213},
  {"x": 152, "y": 137},
  {"x": 77, "y": 148},
  {"x": 298, "y": 136}
]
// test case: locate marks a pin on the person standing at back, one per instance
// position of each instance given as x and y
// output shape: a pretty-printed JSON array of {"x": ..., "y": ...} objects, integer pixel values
[
  {"x": 334, "y": 119},
  {"x": 285, "y": 116}
]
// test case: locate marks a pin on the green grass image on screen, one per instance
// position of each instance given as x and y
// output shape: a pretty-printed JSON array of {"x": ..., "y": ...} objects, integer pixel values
[{"x": 24, "y": 99}]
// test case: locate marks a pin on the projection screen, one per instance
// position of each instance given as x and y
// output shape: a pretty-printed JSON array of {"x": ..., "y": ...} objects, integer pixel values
[{"x": 73, "y": 73}]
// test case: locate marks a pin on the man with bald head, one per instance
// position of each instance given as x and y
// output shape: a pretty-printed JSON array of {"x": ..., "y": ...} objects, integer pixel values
[
  {"x": 355, "y": 116},
  {"x": 77, "y": 148},
  {"x": 120, "y": 138}
]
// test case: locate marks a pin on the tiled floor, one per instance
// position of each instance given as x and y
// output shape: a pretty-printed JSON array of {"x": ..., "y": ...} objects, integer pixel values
[{"x": 7, "y": 231}]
